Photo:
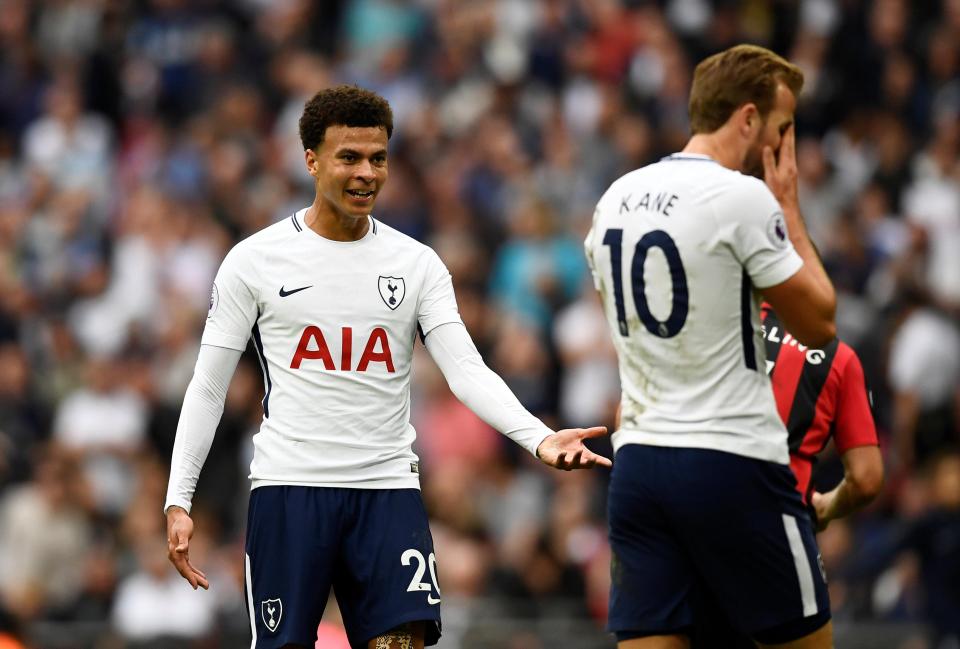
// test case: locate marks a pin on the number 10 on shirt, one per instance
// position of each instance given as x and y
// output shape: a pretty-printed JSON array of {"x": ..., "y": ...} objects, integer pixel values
[{"x": 678, "y": 279}]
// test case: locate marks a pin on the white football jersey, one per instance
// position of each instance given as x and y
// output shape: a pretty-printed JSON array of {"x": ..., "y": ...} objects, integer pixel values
[
  {"x": 334, "y": 325},
  {"x": 676, "y": 250}
]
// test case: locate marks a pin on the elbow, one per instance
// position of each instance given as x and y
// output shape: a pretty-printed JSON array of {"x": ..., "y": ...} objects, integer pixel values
[
  {"x": 819, "y": 335},
  {"x": 457, "y": 387},
  {"x": 826, "y": 334},
  {"x": 867, "y": 481}
]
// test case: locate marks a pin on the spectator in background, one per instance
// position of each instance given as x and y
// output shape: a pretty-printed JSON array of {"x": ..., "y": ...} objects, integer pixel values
[
  {"x": 921, "y": 553},
  {"x": 71, "y": 147},
  {"x": 45, "y": 534},
  {"x": 155, "y": 608},
  {"x": 22, "y": 416},
  {"x": 924, "y": 373},
  {"x": 104, "y": 425},
  {"x": 935, "y": 540},
  {"x": 540, "y": 269},
  {"x": 589, "y": 380}
]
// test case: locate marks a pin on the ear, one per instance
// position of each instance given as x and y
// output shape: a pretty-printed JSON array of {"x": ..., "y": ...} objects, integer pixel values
[
  {"x": 748, "y": 119},
  {"x": 312, "y": 162}
]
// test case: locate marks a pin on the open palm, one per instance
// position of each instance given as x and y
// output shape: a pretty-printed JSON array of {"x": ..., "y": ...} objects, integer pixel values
[{"x": 565, "y": 449}]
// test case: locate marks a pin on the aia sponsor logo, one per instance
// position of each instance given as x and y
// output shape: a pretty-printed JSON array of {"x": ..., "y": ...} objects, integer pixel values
[{"x": 313, "y": 347}]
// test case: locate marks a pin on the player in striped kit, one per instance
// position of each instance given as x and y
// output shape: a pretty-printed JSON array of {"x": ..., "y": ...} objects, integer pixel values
[{"x": 822, "y": 394}]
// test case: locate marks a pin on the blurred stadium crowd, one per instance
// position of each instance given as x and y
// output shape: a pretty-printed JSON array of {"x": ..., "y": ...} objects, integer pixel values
[{"x": 140, "y": 140}]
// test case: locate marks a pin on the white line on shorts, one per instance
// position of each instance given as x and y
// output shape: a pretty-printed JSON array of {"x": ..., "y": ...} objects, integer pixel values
[
  {"x": 253, "y": 619},
  {"x": 808, "y": 594}
]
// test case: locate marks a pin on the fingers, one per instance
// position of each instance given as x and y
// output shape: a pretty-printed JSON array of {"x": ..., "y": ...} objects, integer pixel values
[
  {"x": 769, "y": 163},
  {"x": 789, "y": 145},
  {"x": 193, "y": 570},
  {"x": 595, "y": 431},
  {"x": 191, "y": 574},
  {"x": 600, "y": 460},
  {"x": 583, "y": 458},
  {"x": 570, "y": 450},
  {"x": 182, "y": 565},
  {"x": 199, "y": 579},
  {"x": 179, "y": 556}
]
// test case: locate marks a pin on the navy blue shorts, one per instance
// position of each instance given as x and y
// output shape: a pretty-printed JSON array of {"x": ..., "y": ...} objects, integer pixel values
[
  {"x": 372, "y": 546},
  {"x": 683, "y": 517}
]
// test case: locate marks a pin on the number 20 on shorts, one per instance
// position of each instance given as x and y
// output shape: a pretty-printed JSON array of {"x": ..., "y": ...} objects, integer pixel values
[{"x": 417, "y": 584}]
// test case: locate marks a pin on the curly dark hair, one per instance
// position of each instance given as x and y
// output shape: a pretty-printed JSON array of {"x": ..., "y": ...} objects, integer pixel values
[{"x": 343, "y": 105}]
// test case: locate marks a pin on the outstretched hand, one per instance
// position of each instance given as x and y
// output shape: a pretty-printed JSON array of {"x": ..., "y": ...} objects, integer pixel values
[
  {"x": 179, "y": 532},
  {"x": 565, "y": 449}
]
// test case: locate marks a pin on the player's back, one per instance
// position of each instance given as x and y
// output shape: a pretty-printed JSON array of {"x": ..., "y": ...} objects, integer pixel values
[{"x": 677, "y": 249}]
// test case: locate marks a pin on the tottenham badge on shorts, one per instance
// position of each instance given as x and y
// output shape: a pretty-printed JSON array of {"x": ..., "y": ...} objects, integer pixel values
[
  {"x": 391, "y": 291},
  {"x": 271, "y": 610}
]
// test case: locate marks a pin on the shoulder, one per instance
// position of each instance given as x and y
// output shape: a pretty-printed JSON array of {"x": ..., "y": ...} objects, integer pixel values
[
  {"x": 401, "y": 243},
  {"x": 743, "y": 201},
  {"x": 740, "y": 187}
]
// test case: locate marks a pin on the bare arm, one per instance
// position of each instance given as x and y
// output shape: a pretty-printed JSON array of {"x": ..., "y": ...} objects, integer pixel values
[
  {"x": 862, "y": 480},
  {"x": 806, "y": 302}
]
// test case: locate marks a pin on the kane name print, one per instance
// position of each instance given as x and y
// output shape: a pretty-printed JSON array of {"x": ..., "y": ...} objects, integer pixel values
[{"x": 660, "y": 202}]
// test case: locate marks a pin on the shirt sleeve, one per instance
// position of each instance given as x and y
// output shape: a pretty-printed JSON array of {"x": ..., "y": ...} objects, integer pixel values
[
  {"x": 438, "y": 304},
  {"x": 854, "y": 425},
  {"x": 199, "y": 417},
  {"x": 233, "y": 304},
  {"x": 757, "y": 233},
  {"x": 481, "y": 389}
]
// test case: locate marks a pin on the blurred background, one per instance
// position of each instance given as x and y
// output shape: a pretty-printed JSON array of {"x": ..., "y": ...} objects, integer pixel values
[{"x": 139, "y": 140}]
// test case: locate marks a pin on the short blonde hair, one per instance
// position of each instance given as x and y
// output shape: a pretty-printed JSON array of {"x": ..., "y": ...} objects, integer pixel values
[{"x": 736, "y": 76}]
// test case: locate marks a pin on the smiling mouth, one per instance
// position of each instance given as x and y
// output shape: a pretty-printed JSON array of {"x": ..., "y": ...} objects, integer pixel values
[{"x": 360, "y": 193}]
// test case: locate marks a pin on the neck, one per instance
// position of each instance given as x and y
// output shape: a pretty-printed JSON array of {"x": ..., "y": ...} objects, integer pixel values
[
  {"x": 332, "y": 225},
  {"x": 720, "y": 146}
]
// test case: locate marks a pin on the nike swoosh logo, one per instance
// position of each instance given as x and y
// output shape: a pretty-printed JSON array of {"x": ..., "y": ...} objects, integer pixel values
[
  {"x": 432, "y": 600},
  {"x": 284, "y": 293}
]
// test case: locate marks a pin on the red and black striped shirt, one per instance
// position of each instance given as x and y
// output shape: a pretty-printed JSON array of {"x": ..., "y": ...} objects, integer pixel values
[{"x": 820, "y": 393}]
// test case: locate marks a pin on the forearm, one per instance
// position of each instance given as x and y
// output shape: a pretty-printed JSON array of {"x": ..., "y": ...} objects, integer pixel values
[
  {"x": 480, "y": 389},
  {"x": 199, "y": 416},
  {"x": 844, "y": 500},
  {"x": 800, "y": 238},
  {"x": 862, "y": 481}
]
